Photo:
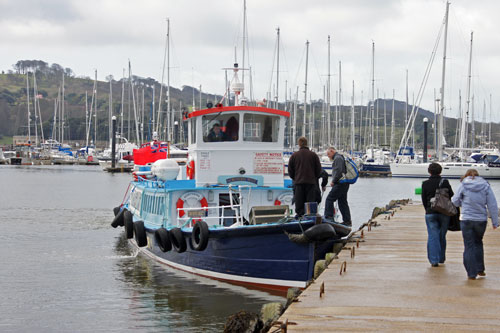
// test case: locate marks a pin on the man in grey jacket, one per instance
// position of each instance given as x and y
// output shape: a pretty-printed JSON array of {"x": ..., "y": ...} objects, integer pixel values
[{"x": 339, "y": 190}]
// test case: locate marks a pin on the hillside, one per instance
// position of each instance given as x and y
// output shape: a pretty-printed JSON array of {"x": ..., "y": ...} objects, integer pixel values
[{"x": 14, "y": 106}]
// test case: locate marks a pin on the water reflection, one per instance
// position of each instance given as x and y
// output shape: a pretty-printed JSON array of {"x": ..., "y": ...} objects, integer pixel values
[{"x": 176, "y": 299}]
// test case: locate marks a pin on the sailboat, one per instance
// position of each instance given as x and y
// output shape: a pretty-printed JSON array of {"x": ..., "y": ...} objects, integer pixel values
[{"x": 488, "y": 165}]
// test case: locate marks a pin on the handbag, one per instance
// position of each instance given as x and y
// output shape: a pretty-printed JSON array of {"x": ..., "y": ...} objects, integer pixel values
[
  {"x": 454, "y": 224},
  {"x": 441, "y": 202}
]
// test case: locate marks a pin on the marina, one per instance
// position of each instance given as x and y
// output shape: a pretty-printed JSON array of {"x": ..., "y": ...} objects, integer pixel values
[{"x": 215, "y": 167}]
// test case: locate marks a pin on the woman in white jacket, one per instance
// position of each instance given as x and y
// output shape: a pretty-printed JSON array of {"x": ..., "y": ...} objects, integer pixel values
[{"x": 476, "y": 198}]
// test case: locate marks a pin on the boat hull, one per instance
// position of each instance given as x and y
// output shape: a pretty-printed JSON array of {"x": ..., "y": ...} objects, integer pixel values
[
  {"x": 450, "y": 170},
  {"x": 262, "y": 256}
]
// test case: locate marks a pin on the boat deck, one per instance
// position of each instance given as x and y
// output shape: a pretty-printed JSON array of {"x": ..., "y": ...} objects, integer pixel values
[{"x": 389, "y": 285}]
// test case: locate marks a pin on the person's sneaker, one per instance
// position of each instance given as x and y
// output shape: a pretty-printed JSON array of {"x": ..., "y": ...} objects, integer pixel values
[
  {"x": 435, "y": 265},
  {"x": 471, "y": 277},
  {"x": 481, "y": 273},
  {"x": 348, "y": 223}
]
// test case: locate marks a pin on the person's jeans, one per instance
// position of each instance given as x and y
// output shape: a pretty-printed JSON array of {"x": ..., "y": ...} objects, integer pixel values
[
  {"x": 338, "y": 192},
  {"x": 437, "y": 226},
  {"x": 473, "y": 232}
]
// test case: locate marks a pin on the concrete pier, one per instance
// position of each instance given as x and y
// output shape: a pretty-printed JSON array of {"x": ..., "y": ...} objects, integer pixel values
[{"x": 389, "y": 285}]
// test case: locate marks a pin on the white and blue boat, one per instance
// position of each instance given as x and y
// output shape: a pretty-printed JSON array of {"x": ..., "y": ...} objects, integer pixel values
[{"x": 227, "y": 214}]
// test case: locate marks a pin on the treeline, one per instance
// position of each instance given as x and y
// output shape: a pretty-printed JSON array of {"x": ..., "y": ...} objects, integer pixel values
[{"x": 25, "y": 66}]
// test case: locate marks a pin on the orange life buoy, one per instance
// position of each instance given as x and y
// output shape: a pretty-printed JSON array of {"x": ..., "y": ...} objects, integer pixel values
[
  {"x": 190, "y": 169},
  {"x": 284, "y": 199},
  {"x": 193, "y": 200}
]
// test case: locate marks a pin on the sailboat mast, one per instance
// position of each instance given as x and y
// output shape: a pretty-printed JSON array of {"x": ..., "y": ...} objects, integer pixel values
[
  {"x": 393, "y": 122},
  {"x": 328, "y": 97},
  {"x": 465, "y": 118},
  {"x": 110, "y": 107},
  {"x": 28, "y": 101},
  {"x": 372, "y": 110},
  {"x": 441, "y": 111},
  {"x": 305, "y": 91},
  {"x": 277, "y": 68},
  {"x": 35, "y": 107},
  {"x": 244, "y": 42},
  {"x": 123, "y": 101},
  {"x": 169, "y": 111},
  {"x": 62, "y": 110},
  {"x": 352, "y": 120},
  {"x": 489, "y": 124},
  {"x": 339, "y": 122}
]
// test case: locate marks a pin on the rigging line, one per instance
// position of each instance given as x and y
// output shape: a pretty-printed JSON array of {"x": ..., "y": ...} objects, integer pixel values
[
  {"x": 410, "y": 123},
  {"x": 298, "y": 68},
  {"x": 274, "y": 61}
]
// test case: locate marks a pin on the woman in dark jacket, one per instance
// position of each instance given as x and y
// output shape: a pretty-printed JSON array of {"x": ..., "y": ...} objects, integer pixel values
[{"x": 437, "y": 224}]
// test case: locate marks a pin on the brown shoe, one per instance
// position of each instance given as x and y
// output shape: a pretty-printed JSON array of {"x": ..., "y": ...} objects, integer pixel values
[
  {"x": 481, "y": 273},
  {"x": 471, "y": 277}
]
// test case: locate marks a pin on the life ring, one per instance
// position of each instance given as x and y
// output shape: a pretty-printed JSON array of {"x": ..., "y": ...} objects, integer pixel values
[
  {"x": 177, "y": 239},
  {"x": 128, "y": 224},
  {"x": 191, "y": 200},
  {"x": 199, "y": 236},
  {"x": 284, "y": 198},
  {"x": 163, "y": 240},
  {"x": 190, "y": 169},
  {"x": 140, "y": 234}
]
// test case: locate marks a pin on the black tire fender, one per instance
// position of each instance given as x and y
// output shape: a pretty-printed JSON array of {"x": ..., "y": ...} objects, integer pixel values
[
  {"x": 140, "y": 234},
  {"x": 177, "y": 239},
  {"x": 199, "y": 236},
  {"x": 320, "y": 232},
  {"x": 163, "y": 240},
  {"x": 117, "y": 209},
  {"x": 128, "y": 223},
  {"x": 118, "y": 220}
]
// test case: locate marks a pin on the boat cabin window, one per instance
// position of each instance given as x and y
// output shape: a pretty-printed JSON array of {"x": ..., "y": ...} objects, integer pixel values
[
  {"x": 220, "y": 127},
  {"x": 193, "y": 131},
  {"x": 260, "y": 128}
]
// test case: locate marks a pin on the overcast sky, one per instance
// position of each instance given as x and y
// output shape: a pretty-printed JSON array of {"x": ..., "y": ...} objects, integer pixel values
[{"x": 104, "y": 34}]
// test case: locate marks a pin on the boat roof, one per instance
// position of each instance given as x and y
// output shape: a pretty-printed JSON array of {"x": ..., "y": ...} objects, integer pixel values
[{"x": 219, "y": 109}]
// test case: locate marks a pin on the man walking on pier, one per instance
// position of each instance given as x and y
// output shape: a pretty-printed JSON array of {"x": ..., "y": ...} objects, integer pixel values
[
  {"x": 339, "y": 190},
  {"x": 304, "y": 168}
]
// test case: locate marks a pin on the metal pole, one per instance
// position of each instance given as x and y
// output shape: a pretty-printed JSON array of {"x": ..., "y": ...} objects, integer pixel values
[
  {"x": 113, "y": 143},
  {"x": 426, "y": 121}
]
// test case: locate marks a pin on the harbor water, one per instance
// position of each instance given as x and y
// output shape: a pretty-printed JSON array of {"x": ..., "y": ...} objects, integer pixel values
[{"x": 64, "y": 268}]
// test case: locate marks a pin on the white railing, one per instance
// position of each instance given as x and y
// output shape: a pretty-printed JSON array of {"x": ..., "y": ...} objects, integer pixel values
[{"x": 201, "y": 213}]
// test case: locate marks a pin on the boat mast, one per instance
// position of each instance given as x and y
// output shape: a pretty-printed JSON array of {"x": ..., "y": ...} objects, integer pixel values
[
  {"x": 305, "y": 92},
  {"x": 62, "y": 110},
  {"x": 340, "y": 125},
  {"x": 441, "y": 111},
  {"x": 123, "y": 101},
  {"x": 328, "y": 97},
  {"x": 385, "y": 121},
  {"x": 35, "y": 107},
  {"x": 110, "y": 107},
  {"x": 158, "y": 124},
  {"x": 393, "y": 122},
  {"x": 352, "y": 120},
  {"x": 489, "y": 125},
  {"x": 277, "y": 68},
  {"x": 372, "y": 110},
  {"x": 465, "y": 118},
  {"x": 95, "y": 109},
  {"x": 28, "y": 101},
  {"x": 169, "y": 111}
]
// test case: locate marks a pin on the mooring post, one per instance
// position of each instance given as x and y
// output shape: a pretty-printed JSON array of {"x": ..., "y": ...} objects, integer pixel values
[{"x": 113, "y": 143}]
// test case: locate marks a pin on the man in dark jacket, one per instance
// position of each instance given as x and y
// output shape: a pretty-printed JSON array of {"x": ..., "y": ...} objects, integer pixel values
[
  {"x": 339, "y": 190},
  {"x": 304, "y": 168},
  {"x": 437, "y": 224}
]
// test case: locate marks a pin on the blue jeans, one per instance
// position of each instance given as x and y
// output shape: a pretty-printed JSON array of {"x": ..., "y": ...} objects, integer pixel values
[
  {"x": 437, "y": 226},
  {"x": 473, "y": 232}
]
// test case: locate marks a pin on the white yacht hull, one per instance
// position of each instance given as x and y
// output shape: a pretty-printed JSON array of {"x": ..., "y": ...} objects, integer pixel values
[{"x": 450, "y": 170}]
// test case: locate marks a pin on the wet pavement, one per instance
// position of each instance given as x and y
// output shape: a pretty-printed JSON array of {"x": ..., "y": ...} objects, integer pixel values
[{"x": 389, "y": 285}]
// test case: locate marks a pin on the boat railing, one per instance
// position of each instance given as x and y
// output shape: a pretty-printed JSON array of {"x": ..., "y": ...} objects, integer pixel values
[{"x": 194, "y": 214}]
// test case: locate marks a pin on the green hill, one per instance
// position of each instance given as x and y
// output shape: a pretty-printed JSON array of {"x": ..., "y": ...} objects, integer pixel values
[{"x": 14, "y": 105}]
